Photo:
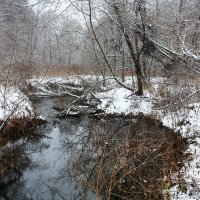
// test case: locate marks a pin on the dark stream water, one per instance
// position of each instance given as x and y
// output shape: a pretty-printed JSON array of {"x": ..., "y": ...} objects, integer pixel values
[{"x": 72, "y": 149}]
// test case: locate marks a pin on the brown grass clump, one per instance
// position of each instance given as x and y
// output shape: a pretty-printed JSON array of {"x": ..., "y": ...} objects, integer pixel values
[
  {"x": 138, "y": 165},
  {"x": 145, "y": 164},
  {"x": 20, "y": 128},
  {"x": 12, "y": 158}
]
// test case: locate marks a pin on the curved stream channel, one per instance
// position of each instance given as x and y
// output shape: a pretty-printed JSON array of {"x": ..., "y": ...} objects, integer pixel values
[{"x": 76, "y": 148}]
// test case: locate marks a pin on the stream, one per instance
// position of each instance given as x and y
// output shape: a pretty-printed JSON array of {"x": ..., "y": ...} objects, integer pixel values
[{"x": 77, "y": 147}]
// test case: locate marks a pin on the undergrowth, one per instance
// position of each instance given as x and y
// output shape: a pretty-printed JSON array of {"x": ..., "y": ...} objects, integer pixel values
[{"x": 138, "y": 165}]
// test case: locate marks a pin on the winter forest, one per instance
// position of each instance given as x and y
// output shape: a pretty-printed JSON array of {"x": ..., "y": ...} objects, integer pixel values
[{"x": 99, "y": 99}]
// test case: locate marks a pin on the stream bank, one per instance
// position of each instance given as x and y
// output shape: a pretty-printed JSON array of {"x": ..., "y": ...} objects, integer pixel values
[{"x": 82, "y": 157}]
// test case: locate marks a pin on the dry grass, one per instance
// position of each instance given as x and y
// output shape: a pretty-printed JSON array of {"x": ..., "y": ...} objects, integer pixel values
[
  {"x": 137, "y": 166},
  {"x": 185, "y": 79},
  {"x": 62, "y": 70},
  {"x": 20, "y": 128},
  {"x": 174, "y": 93},
  {"x": 16, "y": 74}
]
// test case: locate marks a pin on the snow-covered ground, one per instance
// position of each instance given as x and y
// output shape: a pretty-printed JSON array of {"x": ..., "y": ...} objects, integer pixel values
[
  {"x": 115, "y": 99},
  {"x": 13, "y": 103}
]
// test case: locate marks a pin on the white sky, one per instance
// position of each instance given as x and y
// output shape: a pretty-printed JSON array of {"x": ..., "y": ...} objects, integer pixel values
[{"x": 62, "y": 8}]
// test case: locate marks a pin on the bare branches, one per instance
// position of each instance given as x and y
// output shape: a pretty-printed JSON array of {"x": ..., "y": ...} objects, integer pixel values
[
  {"x": 29, "y": 5},
  {"x": 102, "y": 51}
]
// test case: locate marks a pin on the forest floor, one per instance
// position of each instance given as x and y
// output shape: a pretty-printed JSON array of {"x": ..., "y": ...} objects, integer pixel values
[{"x": 157, "y": 102}]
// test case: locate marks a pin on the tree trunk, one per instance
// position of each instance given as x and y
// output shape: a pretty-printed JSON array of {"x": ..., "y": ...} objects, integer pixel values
[
  {"x": 180, "y": 24},
  {"x": 137, "y": 64},
  {"x": 139, "y": 79},
  {"x": 59, "y": 51},
  {"x": 123, "y": 66},
  {"x": 134, "y": 55},
  {"x": 195, "y": 36}
]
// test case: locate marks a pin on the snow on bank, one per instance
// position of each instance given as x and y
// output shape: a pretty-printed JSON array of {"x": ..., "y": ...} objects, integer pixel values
[
  {"x": 188, "y": 124},
  {"x": 13, "y": 102},
  {"x": 121, "y": 100}
]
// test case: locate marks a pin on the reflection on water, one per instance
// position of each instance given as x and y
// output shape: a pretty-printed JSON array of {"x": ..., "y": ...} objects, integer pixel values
[{"x": 80, "y": 151}]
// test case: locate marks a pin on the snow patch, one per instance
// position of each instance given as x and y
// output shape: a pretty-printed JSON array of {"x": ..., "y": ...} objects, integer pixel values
[{"x": 13, "y": 101}]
